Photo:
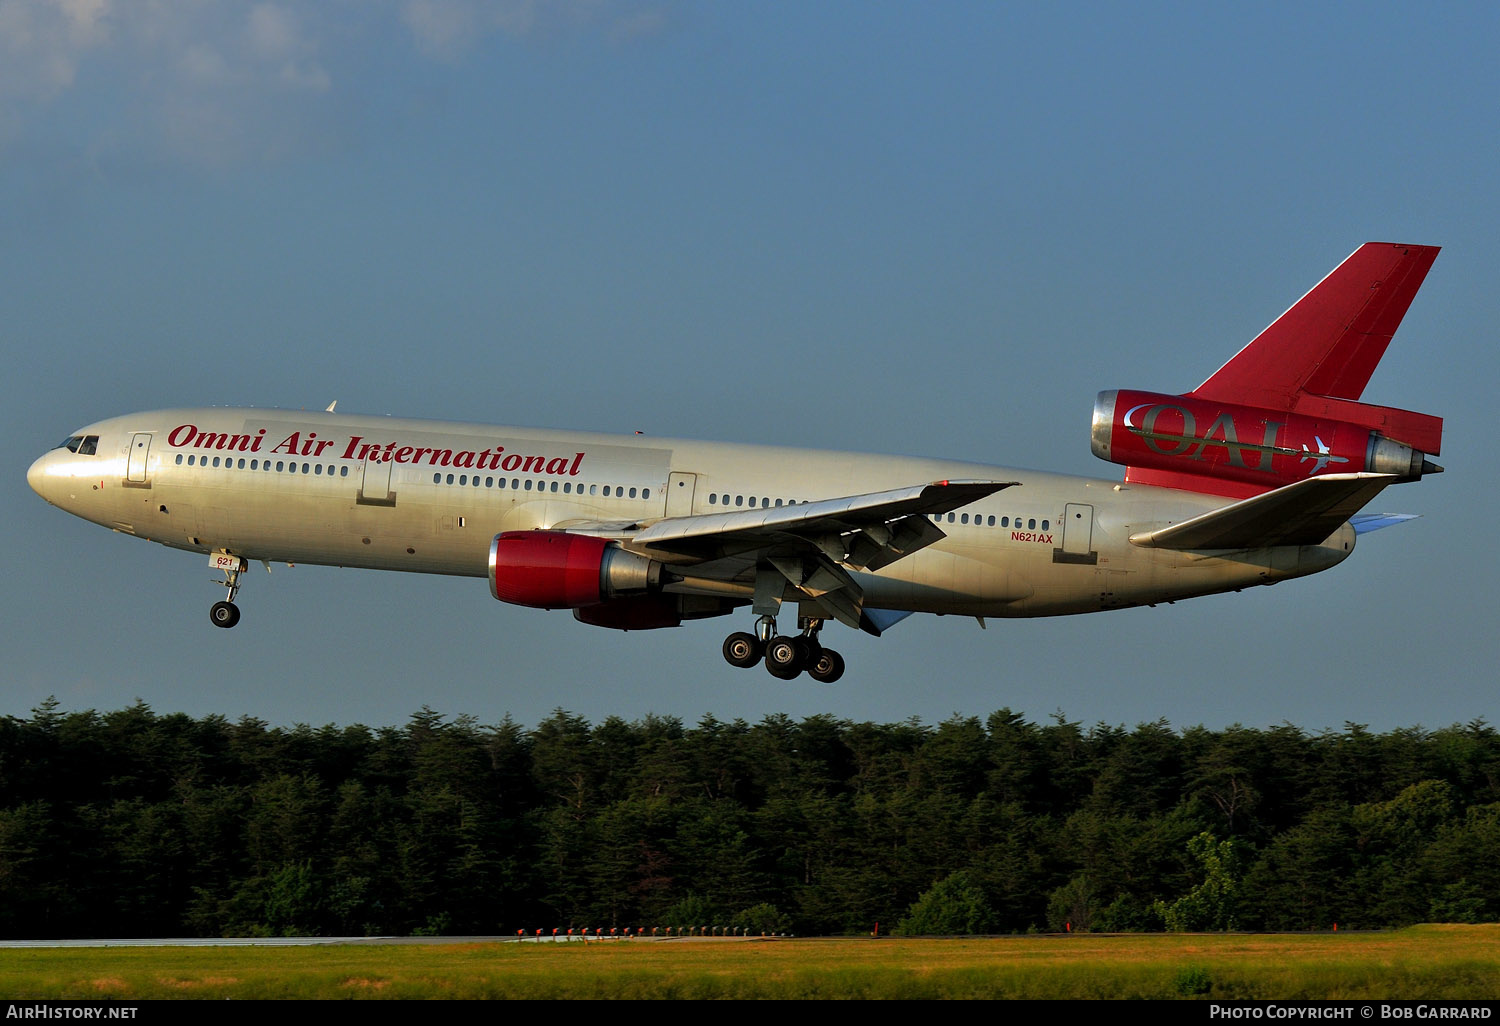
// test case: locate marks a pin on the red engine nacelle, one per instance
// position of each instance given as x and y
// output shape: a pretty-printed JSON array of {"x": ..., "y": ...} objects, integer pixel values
[
  {"x": 1256, "y": 447},
  {"x": 555, "y": 570}
]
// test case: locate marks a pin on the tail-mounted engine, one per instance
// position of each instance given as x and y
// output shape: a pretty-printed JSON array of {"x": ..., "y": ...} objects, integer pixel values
[{"x": 1263, "y": 449}]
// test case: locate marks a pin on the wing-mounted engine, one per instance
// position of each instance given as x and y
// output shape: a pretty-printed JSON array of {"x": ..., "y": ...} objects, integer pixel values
[
  {"x": 1183, "y": 441},
  {"x": 604, "y": 584},
  {"x": 556, "y": 570}
]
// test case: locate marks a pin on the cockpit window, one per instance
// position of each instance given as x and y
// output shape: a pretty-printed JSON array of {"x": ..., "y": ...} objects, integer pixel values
[{"x": 83, "y": 445}]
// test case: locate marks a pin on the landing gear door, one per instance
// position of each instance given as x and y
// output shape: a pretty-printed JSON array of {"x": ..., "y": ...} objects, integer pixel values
[
  {"x": 135, "y": 462},
  {"x": 680, "y": 488}
]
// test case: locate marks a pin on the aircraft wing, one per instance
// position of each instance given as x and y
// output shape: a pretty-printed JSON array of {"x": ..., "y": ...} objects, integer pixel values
[
  {"x": 867, "y": 531},
  {"x": 1301, "y": 513},
  {"x": 811, "y": 545}
]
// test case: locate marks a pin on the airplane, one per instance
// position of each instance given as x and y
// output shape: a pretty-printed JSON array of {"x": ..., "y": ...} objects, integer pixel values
[{"x": 639, "y": 533}]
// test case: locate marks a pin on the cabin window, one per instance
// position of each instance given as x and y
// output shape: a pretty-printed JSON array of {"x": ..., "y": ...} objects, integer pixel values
[
  {"x": 528, "y": 484},
  {"x": 1045, "y": 524},
  {"x": 554, "y": 486},
  {"x": 964, "y": 519},
  {"x": 632, "y": 493},
  {"x": 179, "y": 459},
  {"x": 437, "y": 478},
  {"x": 645, "y": 493},
  {"x": 489, "y": 482},
  {"x": 992, "y": 521}
]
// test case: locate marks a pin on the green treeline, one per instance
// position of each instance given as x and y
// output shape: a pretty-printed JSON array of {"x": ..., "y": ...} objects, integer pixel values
[{"x": 131, "y": 823}]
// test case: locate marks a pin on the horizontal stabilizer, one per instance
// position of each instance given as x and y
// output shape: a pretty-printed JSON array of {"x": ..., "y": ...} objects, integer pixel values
[
  {"x": 1364, "y": 523},
  {"x": 1304, "y": 513}
]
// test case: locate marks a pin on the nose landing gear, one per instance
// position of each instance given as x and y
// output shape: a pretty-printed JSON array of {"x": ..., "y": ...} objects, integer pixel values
[
  {"x": 786, "y": 656},
  {"x": 226, "y": 614}
]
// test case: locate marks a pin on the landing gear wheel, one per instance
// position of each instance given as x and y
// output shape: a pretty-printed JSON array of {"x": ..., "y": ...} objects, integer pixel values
[
  {"x": 826, "y": 667},
  {"x": 784, "y": 657},
  {"x": 224, "y": 614},
  {"x": 741, "y": 649},
  {"x": 807, "y": 649}
]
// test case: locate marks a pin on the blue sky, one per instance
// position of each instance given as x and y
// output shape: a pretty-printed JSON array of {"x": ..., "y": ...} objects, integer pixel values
[{"x": 928, "y": 229}]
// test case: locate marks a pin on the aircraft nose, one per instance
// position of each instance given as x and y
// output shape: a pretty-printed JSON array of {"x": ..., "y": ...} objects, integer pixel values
[{"x": 36, "y": 475}]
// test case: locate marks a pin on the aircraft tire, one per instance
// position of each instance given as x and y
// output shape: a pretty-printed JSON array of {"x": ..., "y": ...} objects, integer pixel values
[
  {"x": 742, "y": 650},
  {"x": 807, "y": 650},
  {"x": 783, "y": 658},
  {"x": 827, "y": 667},
  {"x": 224, "y": 614}
]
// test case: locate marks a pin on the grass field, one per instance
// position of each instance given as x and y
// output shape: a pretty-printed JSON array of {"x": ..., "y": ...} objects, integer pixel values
[{"x": 1427, "y": 962}]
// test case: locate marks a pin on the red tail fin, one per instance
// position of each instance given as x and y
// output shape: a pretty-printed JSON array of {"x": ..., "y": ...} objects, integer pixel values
[
  {"x": 1315, "y": 359},
  {"x": 1331, "y": 339}
]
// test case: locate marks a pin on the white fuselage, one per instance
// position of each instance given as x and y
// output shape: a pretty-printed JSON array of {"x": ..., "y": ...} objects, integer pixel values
[{"x": 428, "y": 497}]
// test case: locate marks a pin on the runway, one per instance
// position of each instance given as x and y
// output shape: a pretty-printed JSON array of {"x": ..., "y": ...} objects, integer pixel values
[{"x": 270, "y": 942}]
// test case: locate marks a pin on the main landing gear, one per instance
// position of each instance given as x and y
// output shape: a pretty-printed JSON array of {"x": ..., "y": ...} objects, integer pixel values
[
  {"x": 786, "y": 656},
  {"x": 227, "y": 614}
]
